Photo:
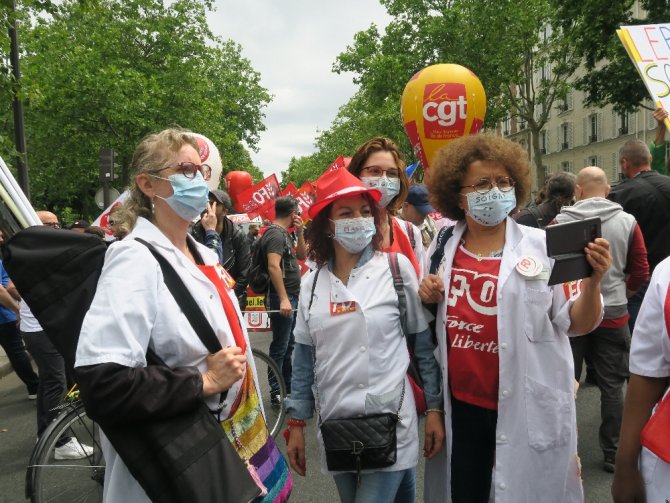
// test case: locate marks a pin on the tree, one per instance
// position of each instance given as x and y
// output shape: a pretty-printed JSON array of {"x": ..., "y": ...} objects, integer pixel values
[
  {"x": 104, "y": 73},
  {"x": 610, "y": 76},
  {"x": 506, "y": 43}
]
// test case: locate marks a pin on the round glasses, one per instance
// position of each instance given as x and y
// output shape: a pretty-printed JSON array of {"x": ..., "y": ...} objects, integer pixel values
[
  {"x": 189, "y": 169},
  {"x": 504, "y": 184},
  {"x": 377, "y": 171}
]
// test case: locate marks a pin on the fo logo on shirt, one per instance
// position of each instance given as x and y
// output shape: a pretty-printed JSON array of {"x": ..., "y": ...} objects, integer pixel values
[
  {"x": 337, "y": 308},
  {"x": 478, "y": 289},
  {"x": 445, "y": 109}
]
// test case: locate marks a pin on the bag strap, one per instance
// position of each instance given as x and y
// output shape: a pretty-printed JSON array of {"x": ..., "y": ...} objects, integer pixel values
[
  {"x": 399, "y": 286},
  {"x": 185, "y": 301},
  {"x": 442, "y": 238},
  {"x": 410, "y": 233},
  {"x": 311, "y": 295}
]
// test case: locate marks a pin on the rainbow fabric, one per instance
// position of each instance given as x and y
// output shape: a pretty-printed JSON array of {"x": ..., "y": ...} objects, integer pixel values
[{"x": 247, "y": 430}]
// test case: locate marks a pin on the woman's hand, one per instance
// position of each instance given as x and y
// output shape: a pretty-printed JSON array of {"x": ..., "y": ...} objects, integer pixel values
[
  {"x": 434, "y": 434},
  {"x": 296, "y": 450},
  {"x": 598, "y": 256},
  {"x": 431, "y": 289},
  {"x": 628, "y": 486},
  {"x": 224, "y": 369},
  {"x": 208, "y": 219}
]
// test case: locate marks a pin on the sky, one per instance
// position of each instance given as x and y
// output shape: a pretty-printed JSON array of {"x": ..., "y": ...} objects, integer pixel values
[{"x": 293, "y": 45}]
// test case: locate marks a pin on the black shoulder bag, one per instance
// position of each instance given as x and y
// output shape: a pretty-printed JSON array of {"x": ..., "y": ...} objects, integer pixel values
[
  {"x": 358, "y": 443},
  {"x": 185, "y": 457}
]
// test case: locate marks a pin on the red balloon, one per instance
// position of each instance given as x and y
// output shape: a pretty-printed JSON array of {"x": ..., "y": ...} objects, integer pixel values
[{"x": 236, "y": 182}]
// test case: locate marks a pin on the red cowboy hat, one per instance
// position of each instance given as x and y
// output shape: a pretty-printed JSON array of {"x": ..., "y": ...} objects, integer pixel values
[{"x": 335, "y": 184}]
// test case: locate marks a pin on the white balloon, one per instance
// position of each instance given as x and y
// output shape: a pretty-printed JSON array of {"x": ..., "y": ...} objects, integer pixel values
[{"x": 209, "y": 154}]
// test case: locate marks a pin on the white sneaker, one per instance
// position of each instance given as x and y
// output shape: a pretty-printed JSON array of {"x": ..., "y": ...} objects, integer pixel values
[{"x": 73, "y": 450}]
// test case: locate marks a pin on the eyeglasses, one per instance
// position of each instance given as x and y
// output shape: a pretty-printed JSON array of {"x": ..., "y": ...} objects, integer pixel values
[
  {"x": 189, "y": 169},
  {"x": 53, "y": 225},
  {"x": 377, "y": 171},
  {"x": 504, "y": 184}
]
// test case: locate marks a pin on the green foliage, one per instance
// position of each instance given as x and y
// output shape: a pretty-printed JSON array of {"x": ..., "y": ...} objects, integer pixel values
[
  {"x": 104, "y": 73},
  {"x": 611, "y": 78}
]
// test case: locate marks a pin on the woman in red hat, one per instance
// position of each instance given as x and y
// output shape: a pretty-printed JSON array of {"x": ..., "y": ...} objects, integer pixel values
[
  {"x": 379, "y": 164},
  {"x": 350, "y": 345}
]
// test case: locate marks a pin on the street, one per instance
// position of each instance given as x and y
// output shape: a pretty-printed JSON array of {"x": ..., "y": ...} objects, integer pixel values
[{"x": 17, "y": 438}]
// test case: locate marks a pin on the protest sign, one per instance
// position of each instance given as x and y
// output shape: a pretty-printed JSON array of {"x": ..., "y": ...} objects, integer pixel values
[
  {"x": 257, "y": 197},
  {"x": 649, "y": 48}
]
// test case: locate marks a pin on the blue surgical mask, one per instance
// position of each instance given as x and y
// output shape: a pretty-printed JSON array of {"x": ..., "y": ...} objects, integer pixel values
[
  {"x": 491, "y": 208},
  {"x": 189, "y": 197},
  {"x": 389, "y": 187},
  {"x": 354, "y": 234}
]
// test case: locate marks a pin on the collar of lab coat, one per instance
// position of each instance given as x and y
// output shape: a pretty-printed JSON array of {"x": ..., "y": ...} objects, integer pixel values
[{"x": 149, "y": 232}]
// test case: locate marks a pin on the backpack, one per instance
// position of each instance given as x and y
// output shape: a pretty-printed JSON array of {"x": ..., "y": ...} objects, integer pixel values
[
  {"x": 259, "y": 277},
  {"x": 56, "y": 272}
]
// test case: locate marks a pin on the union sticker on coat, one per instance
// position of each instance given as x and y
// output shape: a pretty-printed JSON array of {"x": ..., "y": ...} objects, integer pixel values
[{"x": 337, "y": 308}]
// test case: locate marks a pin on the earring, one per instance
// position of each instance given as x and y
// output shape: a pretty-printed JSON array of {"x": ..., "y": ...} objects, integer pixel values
[{"x": 153, "y": 206}]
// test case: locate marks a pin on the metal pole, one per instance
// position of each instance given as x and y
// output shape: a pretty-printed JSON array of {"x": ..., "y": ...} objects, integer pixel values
[{"x": 19, "y": 131}]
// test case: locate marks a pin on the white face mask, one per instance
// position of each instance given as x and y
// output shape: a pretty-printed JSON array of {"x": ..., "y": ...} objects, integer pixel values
[
  {"x": 354, "y": 234},
  {"x": 491, "y": 208},
  {"x": 389, "y": 187}
]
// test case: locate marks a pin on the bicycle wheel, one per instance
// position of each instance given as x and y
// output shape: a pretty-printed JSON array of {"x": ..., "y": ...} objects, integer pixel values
[
  {"x": 65, "y": 479},
  {"x": 267, "y": 370}
]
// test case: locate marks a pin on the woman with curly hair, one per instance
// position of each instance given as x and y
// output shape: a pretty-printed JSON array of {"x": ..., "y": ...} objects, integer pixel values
[
  {"x": 379, "y": 164},
  {"x": 351, "y": 346},
  {"x": 503, "y": 336}
]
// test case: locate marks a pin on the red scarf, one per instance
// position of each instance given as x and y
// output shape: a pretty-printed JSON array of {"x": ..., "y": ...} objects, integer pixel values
[
  {"x": 402, "y": 245},
  {"x": 215, "y": 276}
]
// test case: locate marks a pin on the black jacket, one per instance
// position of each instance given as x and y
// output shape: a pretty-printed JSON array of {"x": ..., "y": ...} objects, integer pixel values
[
  {"x": 236, "y": 253},
  {"x": 647, "y": 198}
]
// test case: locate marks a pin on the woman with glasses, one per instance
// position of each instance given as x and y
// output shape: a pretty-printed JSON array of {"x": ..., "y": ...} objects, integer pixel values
[
  {"x": 503, "y": 336},
  {"x": 133, "y": 311},
  {"x": 379, "y": 165}
]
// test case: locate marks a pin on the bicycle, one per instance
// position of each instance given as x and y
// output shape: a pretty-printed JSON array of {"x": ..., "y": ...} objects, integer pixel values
[{"x": 69, "y": 481}]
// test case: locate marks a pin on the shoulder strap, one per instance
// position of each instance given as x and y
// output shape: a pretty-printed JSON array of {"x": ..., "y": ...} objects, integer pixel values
[
  {"x": 311, "y": 295},
  {"x": 659, "y": 195},
  {"x": 410, "y": 233},
  {"x": 186, "y": 301},
  {"x": 442, "y": 238},
  {"x": 537, "y": 215},
  {"x": 399, "y": 289}
]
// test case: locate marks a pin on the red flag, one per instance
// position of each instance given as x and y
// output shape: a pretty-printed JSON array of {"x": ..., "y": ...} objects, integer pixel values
[
  {"x": 289, "y": 190},
  {"x": 305, "y": 196},
  {"x": 338, "y": 163},
  {"x": 256, "y": 197}
]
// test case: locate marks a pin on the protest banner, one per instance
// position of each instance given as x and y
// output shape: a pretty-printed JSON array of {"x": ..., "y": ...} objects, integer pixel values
[
  {"x": 289, "y": 190},
  {"x": 649, "y": 48},
  {"x": 255, "y": 198},
  {"x": 306, "y": 196},
  {"x": 103, "y": 219}
]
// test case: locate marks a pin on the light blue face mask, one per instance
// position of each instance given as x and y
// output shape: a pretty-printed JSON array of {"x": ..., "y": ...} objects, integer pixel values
[
  {"x": 189, "y": 197},
  {"x": 389, "y": 187},
  {"x": 354, "y": 234},
  {"x": 491, "y": 208}
]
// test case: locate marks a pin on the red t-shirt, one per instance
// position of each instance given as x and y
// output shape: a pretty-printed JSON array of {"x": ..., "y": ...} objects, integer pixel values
[{"x": 472, "y": 330}]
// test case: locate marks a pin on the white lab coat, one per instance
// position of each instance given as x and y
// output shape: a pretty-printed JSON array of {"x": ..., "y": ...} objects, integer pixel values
[
  {"x": 650, "y": 357},
  {"x": 361, "y": 356},
  {"x": 536, "y": 436},
  {"x": 132, "y": 310}
]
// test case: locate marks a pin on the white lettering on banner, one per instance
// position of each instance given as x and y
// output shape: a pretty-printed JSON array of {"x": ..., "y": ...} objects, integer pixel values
[
  {"x": 453, "y": 322},
  {"x": 465, "y": 342},
  {"x": 446, "y": 112}
]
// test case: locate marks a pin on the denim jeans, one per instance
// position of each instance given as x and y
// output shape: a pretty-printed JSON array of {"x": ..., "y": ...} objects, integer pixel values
[
  {"x": 377, "y": 487},
  {"x": 281, "y": 347},
  {"x": 11, "y": 342},
  {"x": 51, "y": 367}
]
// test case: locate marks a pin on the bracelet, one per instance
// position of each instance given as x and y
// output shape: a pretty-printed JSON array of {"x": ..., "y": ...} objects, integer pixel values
[
  {"x": 440, "y": 411},
  {"x": 299, "y": 423}
]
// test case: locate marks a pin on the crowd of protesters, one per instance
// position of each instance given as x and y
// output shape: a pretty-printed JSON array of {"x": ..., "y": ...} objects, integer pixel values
[{"x": 401, "y": 272}]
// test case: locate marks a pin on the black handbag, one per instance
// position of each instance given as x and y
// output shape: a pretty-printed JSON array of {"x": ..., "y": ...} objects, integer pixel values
[{"x": 186, "y": 457}]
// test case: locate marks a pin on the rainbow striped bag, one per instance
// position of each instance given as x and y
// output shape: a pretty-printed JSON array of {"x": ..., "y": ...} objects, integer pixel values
[{"x": 247, "y": 430}]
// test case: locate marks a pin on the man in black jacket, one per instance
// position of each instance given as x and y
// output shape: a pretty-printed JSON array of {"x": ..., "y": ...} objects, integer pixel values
[
  {"x": 645, "y": 194},
  {"x": 235, "y": 253}
]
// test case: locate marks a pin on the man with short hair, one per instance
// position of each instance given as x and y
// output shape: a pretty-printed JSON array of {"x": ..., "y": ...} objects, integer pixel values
[
  {"x": 645, "y": 194},
  {"x": 607, "y": 346},
  {"x": 284, "y": 272},
  {"x": 219, "y": 233}
]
